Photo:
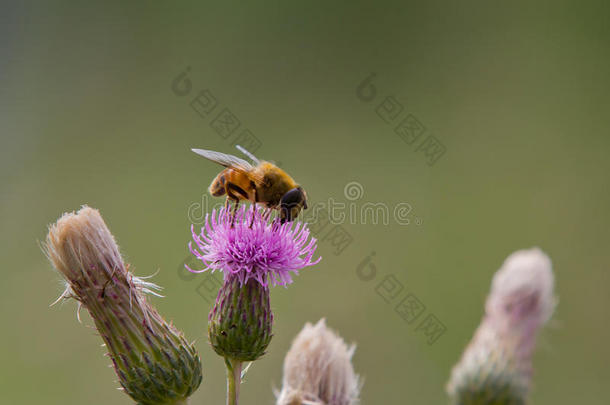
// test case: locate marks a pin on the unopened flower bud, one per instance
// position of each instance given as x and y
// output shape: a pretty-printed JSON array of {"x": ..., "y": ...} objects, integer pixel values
[
  {"x": 318, "y": 369},
  {"x": 153, "y": 360},
  {"x": 496, "y": 367},
  {"x": 241, "y": 321}
]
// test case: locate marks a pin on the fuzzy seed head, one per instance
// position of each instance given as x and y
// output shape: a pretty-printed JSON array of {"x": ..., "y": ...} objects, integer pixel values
[{"x": 318, "y": 369}]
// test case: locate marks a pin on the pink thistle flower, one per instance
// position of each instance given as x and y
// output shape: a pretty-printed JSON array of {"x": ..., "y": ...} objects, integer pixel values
[{"x": 252, "y": 248}]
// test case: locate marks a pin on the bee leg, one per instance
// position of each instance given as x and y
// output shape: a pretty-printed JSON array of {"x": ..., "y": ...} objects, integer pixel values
[
  {"x": 231, "y": 197},
  {"x": 255, "y": 200},
  {"x": 267, "y": 213},
  {"x": 235, "y": 192},
  {"x": 253, "y": 214},
  {"x": 234, "y": 210},
  {"x": 234, "y": 213}
]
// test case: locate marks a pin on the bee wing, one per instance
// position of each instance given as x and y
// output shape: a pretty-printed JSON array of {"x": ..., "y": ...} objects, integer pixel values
[
  {"x": 224, "y": 159},
  {"x": 230, "y": 161},
  {"x": 247, "y": 153}
]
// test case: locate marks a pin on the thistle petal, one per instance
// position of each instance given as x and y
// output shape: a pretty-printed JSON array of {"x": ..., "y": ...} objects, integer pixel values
[{"x": 252, "y": 248}]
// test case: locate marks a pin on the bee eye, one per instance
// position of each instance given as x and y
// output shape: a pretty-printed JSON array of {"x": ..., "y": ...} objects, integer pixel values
[{"x": 292, "y": 199}]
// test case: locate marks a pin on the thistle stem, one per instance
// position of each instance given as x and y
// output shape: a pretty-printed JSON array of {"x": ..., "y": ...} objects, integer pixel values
[{"x": 233, "y": 380}]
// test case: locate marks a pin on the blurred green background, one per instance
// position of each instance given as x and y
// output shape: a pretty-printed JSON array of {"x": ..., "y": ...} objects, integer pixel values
[{"x": 517, "y": 95}]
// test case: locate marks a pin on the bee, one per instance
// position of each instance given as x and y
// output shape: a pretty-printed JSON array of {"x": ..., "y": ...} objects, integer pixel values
[{"x": 263, "y": 183}]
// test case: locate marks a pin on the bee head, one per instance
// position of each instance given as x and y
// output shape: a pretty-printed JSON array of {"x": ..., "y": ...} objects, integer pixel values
[{"x": 291, "y": 204}]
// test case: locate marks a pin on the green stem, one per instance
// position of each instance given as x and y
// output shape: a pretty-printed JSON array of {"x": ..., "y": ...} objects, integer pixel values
[{"x": 233, "y": 380}]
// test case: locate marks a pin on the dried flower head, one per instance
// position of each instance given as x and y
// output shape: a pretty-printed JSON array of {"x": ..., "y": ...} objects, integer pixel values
[
  {"x": 253, "y": 248},
  {"x": 318, "y": 369},
  {"x": 154, "y": 362},
  {"x": 496, "y": 367}
]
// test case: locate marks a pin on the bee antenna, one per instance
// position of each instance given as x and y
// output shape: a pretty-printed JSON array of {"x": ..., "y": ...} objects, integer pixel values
[{"x": 248, "y": 154}]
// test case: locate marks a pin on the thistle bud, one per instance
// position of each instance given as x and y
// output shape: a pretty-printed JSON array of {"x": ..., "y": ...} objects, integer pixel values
[
  {"x": 240, "y": 323},
  {"x": 153, "y": 360},
  {"x": 496, "y": 367},
  {"x": 318, "y": 369}
]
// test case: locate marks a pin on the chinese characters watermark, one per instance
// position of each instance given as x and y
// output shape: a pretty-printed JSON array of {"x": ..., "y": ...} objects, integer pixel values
[
  {"x": 406, "y": 126},
  {"x": 320, "y": 213},
  {"x": 405, "y": 303},
  {"x": 208, "y": 282}
]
